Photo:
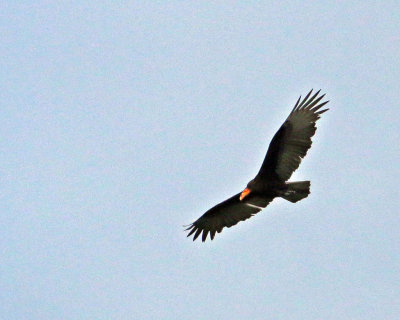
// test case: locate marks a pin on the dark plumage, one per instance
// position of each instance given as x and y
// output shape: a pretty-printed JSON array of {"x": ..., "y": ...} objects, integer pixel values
[{"x": 286, "y": 150}]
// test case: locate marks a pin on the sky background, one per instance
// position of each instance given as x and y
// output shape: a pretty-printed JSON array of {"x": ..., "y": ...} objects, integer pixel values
[{"x": 121, "y": 121}]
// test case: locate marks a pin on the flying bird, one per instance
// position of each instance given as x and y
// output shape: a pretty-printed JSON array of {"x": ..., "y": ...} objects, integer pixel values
[{"x": 286, "y": 150}]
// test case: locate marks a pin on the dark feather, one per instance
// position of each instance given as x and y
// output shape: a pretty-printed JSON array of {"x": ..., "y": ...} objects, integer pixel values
[
  {"x": 292, "y": 141},
  {"x": 227, "y": 214}
]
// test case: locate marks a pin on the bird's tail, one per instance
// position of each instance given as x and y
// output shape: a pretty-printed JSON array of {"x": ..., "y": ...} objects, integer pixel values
[{"x": 296, "y": 191}]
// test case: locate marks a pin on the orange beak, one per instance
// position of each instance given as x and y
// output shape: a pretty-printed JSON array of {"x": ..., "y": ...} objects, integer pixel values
[{"x": 244, "y": 194}]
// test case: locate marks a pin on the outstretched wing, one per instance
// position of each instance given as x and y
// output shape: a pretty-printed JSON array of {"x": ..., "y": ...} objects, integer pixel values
[
  {"x": 292, "y": 141},
  {"x": 227, "y": 214}
]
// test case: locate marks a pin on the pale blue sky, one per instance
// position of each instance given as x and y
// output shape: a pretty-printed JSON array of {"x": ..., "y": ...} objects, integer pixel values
[{"x": 121, "y": 121}]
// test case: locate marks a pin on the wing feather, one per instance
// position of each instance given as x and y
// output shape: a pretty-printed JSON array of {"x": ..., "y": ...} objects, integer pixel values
[
  {"x": 226, "y": 214},
  {"x": 292, "y": 141}
]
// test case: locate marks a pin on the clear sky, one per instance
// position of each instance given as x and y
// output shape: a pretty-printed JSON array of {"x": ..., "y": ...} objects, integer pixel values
[{"x": 121, "y": 121}]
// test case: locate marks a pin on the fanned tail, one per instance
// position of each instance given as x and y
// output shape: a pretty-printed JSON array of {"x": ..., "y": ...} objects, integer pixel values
[{"x": 296, "y": 191}]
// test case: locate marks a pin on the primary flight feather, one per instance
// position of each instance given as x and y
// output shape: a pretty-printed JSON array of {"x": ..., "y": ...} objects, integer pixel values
[{"x": 286, "y": 150}]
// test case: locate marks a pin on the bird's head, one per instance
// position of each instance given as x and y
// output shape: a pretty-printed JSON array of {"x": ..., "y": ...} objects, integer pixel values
[{"x": 247, "y": 190}]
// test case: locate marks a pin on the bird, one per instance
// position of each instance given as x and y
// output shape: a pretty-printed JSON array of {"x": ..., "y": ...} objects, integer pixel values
[{"x": 285, "y": 152}]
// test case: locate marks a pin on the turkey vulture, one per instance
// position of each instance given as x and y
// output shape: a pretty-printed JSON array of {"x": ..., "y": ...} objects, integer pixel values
[{"x": 286, "y": 150}]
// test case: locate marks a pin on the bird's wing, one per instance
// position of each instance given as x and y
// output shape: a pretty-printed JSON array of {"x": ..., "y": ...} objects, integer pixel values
[
  {"x": 227, "y": 214},
  {"x": 292, "y": 141}
]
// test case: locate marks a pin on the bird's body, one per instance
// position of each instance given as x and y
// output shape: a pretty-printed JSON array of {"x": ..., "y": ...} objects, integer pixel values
[{"x": 289, "y": 145}]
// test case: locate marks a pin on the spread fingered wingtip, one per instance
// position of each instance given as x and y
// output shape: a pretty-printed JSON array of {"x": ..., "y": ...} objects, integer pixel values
[
  {"x": 196, "y": 231},
  {"x": 311, "y": 102},
  {"x": 305, "y": 99},
  {"x": 191, "y": 230}
]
